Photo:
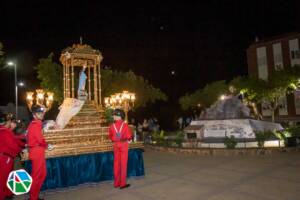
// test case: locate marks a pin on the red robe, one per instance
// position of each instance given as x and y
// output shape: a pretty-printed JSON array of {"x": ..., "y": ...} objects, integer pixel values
[
  {"x": 37, "y": 146},
  {"x": 120, "y": 151},
  {"x": 10, "y": 146}
]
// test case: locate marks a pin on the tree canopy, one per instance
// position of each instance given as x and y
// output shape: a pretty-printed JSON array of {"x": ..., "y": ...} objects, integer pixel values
[
  {"x": 204, "y": 97},
  {"x": 254, "y": 90},
  {"x": 278, "y": 85},
  {"x": 116, "y": 81},
  {"x": 51, "y": 76}
]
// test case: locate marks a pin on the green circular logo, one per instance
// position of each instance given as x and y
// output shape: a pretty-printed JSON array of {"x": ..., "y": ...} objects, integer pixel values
[{"x": 19, "y": 182}]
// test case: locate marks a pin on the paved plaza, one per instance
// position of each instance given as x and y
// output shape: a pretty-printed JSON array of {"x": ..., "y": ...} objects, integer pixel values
[{"x": 184, "y": 177}]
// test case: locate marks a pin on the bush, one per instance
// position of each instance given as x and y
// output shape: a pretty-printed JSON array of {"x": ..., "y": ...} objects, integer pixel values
[
  {"x": 293, "y": 131},
  {"x": 158, "y": 135},
  {"x": 168, "y": 139},
  {"x": 179, "y": 138},
  {"x": 282, "y": 136},
  {"x": 108, "y": 114},
  {"x": 230, "y": 142},
  {"x": 261, "y": 137}
]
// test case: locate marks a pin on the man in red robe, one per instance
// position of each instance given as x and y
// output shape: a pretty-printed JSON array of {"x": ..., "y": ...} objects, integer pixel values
[
  {"x": 10, "y": 147},
  {"x": 37, "y": 146},
  {"x": 120, "y": 134}
]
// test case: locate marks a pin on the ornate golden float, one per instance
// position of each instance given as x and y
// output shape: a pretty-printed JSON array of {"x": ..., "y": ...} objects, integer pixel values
[{"x": 87, "y": 131}]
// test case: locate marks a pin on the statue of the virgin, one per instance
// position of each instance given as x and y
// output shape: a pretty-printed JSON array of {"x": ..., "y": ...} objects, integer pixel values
[{"x": 82, "y": 80}]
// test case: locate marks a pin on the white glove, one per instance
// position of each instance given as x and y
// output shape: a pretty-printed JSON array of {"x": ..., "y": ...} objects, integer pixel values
[
  {"x": 25, "y": 150},
  {"x": 50, "y": 147}
]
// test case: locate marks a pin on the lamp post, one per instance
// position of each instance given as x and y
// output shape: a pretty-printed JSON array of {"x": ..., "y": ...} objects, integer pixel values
[
  {"x": 39, "y": 97},
  {"x": 16, "y": 85},
  {"x": 124, "y": 100}
]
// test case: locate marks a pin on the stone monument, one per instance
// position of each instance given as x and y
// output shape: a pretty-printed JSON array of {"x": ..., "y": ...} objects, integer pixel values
[{"x": 228, "y": 117}]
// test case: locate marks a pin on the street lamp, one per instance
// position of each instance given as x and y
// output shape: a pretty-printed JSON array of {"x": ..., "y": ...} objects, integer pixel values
[
  {"x": 39, "y": 97},
  {"x": 124, "y": 100},
  {"x": 16, "y": 86},
  {"x": 21, "y": 84}
]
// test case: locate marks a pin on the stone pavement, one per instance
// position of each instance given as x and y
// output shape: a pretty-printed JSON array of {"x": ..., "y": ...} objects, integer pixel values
[{"x": 185, "y": 177}]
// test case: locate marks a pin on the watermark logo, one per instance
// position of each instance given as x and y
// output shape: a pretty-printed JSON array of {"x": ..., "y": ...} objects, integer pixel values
[{"x": 19, "y": 182}]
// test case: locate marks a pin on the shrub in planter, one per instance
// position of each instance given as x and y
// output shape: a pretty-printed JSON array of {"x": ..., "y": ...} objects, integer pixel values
[
  {"x": 293, "y": 131},
  {"x": 283, "y": 136},
  {"x": 230, "y": 142},
  {"x": 179, "y": 138},
  {"x": 261, "y": 137},
  {"x": 159, "y": 138}
]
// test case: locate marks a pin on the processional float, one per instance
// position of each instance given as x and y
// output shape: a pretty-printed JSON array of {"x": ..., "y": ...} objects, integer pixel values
[{"x": 80, "y": 127}]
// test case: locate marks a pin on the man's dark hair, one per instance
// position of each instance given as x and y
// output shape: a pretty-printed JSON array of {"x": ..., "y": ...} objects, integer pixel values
[{"x": 119, "y": 112}]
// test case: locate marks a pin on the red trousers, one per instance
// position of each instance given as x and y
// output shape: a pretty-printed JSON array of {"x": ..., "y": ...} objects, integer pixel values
[
  {"x": 6, "y": 166},
  {"x": 39, "y": 171},
  {"x": 120, "y": 163}
]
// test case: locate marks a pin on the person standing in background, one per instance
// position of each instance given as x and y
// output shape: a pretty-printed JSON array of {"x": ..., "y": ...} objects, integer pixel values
[{"x": 10, "y": 147}]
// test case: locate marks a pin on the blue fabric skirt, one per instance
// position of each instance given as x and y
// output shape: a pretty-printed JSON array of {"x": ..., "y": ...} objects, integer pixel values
[{"x": 87, "y": 168}]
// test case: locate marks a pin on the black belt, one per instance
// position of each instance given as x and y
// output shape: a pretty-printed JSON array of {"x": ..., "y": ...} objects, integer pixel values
[{"x": 5, "y": 154}]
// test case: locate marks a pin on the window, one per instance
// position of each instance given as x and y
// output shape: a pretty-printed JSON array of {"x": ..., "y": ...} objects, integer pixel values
[
  {"x": 297, "y": 101},
  {"x": 294, "y": 52},
  {"x": 266, "y": 108},
  {"x": 262, "y": 64},
  {"x": 282, "y": 106},
  {"x": 277, "y": 53}
]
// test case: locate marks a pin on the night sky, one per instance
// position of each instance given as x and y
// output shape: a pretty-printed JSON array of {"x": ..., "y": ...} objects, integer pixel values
[{"x": 201, "y": 42}]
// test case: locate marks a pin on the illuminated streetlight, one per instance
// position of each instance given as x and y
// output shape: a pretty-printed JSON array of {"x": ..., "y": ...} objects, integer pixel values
[
  {"x": 39, "y": 97},
  {"x": 124, "y": 100},
  {"x": 10, "y": 63},
  {"x": 21, "y": 84}
]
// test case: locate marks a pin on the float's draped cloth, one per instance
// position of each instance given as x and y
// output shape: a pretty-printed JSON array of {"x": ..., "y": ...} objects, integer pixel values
[
  {"x": 87, "y": 168},
  {"x": 68, "y": 109}
]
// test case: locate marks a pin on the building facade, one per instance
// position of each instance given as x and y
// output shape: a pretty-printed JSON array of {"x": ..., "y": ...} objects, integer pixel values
[{"x": 272, "y": 54}]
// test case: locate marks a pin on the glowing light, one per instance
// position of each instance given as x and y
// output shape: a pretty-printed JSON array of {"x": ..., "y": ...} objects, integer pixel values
[
  {"x": 222, "y": 97},
  {"x": 10, "y": 63},
  {"x": 50, "y": 96},
  {"x": 293, "y": 85},
  {"x": 29, "y": 96},
  {"x": 41, "y": 98},
  {"x": 124, "y": 100},
  {"x": 106, "y": 100}
]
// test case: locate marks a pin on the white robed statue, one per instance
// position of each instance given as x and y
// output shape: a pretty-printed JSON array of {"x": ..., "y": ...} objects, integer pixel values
[{"x": 81, "y": 86}]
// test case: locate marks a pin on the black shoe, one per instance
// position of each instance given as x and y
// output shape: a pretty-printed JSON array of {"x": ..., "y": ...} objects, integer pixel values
[{"x": 125, "y": 186}]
